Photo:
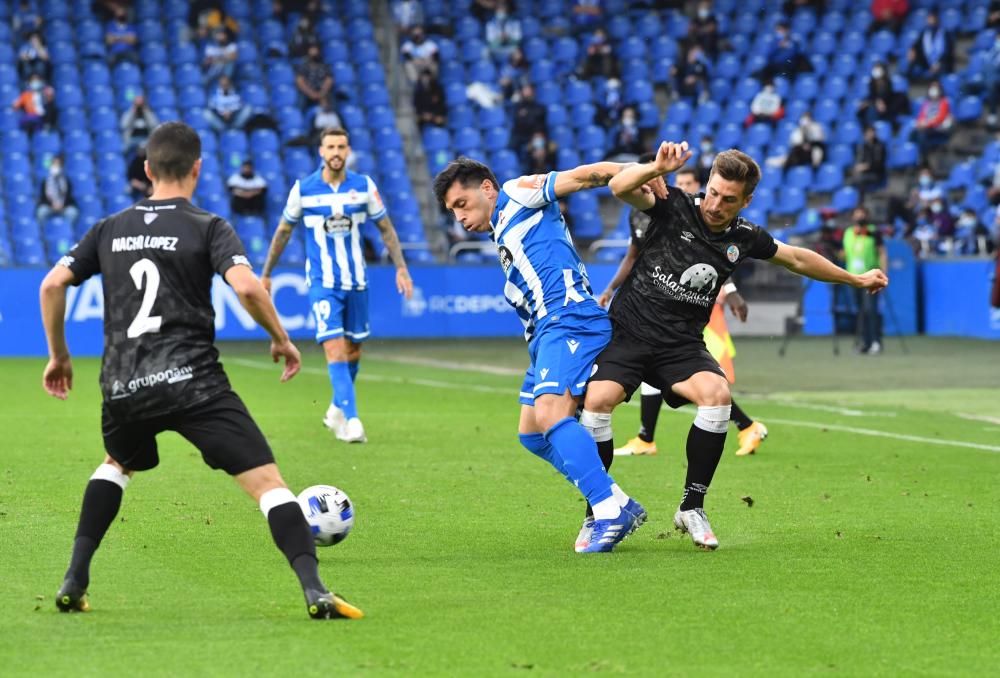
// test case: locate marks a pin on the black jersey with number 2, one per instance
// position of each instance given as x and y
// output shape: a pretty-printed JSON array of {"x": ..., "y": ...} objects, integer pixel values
[
  {"x": 681, "y": 266},
  {"x": 157, "y": 259}
]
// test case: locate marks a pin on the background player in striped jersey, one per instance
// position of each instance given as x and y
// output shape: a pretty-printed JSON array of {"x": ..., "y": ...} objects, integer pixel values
[
  {"x": 717, "y": 338},
  {"x": 333, "y": 203},
  {"x": 547, "y": 285}
]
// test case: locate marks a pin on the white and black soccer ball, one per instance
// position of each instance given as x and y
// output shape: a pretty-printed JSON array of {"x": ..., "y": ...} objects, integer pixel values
[{"x": 329, "y": 512}]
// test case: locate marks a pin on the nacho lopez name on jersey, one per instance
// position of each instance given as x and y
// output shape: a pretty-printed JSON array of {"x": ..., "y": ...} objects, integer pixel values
[{"x": 679, "y": 292}]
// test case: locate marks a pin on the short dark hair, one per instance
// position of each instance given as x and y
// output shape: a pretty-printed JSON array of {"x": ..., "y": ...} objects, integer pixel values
[
  {"x": 733, "y": 165},
  {"x": 647, "y": 157},
  {"x": 334, "y": 132},
  {"x": 172, "y": 150},
  {"x": 687, "y": 169},
  {"x": 467, "y": 172}
]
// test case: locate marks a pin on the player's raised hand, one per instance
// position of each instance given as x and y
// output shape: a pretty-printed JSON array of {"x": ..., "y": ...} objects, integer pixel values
[
  {"x": 874, "y": 281},
  {"x": 293, "y": 360},
  {"x": 671, "y": 156},
  {"x": 57, "y": 380},
  {"x": 404, "y": 283},
  {"x": 605, "y": 298}
]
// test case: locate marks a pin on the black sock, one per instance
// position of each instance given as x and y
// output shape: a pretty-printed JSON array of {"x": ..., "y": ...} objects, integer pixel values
[
  {"x": 292, "y": 535},
  {"x": 739, "y": 417},
  {"x": 704, "y": 452},
  {"x": 606, "y": 451},
  {"x": 649, "y": 412},
  {"x": 101, "y": 501}
]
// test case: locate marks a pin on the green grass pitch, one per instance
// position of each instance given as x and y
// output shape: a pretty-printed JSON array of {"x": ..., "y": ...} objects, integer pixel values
[{"x": 870, "y": 549}]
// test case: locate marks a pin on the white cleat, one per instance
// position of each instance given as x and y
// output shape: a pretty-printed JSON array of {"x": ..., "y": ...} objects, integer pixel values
[
  {"x": 334, "y": 418},
  {"x": 695, "y": 523},
  {"x": 351, "y": 431},
  {"x": 583, "y": 539}
]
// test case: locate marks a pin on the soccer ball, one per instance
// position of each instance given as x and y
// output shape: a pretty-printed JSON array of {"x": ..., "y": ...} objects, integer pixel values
[{"x": 329, "y": 512}]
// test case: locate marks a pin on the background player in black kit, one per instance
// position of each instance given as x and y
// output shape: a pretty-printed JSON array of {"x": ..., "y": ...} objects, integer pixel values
[
  {"x": 160, "y": 369},
  {"x": 692, "y": 245}
]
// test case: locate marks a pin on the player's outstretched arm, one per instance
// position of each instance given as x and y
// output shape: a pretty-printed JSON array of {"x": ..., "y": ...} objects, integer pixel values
[
  {"x": 585, "y": 176},
  {"x": 812, "y": 265},
  {"x": 57, "y": 380},
  {"x": 256, "y": 300},
  {"x": 624, "y": 269},
  {"x": 389, "y": 236},
  {"x": 628, "y": 184},
  {"x": 278, "y": 243}
]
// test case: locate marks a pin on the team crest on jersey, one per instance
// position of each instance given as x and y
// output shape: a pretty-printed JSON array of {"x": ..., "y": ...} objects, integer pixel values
[
  {"x": 337, "y": 224},
  {"x": 732, "y": 253},
  {"x": 506, "y": 258},
  {"x": 149, "y": 217},
  {"x": 701, "y": 277}
]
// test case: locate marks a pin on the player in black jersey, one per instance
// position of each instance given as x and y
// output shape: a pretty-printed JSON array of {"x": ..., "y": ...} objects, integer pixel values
[
  {"x": 717, "y": 340},
  {"x": 693, "y": 244},
  {"x": 160, "y": 370}
]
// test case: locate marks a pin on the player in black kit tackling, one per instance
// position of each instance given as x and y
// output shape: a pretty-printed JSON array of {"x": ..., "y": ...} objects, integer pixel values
[
  {"x": 692, "y": 245},
  {"x": 160, "y": 369}
]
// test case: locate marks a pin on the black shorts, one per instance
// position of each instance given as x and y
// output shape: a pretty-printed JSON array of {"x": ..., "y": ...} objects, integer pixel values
[
  {"x": 221, "y": 429},
  {"x": 629, "y": 362}
]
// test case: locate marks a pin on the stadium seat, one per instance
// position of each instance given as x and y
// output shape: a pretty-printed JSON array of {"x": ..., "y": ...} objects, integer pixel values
[
  {"x": 829, "y": 177},
  {"x": 969, "y": 108},
  {"x": 789, "y": 201},
  {"x": 845, "y": 198},
  {"x": 903, "y": 155},
  {"x": 799, "y": 177}
]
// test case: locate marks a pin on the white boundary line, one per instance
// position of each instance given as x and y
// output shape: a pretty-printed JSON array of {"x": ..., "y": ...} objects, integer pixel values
[{"x": 451, "y": 385}]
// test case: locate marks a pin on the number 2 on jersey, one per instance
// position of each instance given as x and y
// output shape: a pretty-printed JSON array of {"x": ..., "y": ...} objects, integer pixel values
[{"x": 144, "y": 322}]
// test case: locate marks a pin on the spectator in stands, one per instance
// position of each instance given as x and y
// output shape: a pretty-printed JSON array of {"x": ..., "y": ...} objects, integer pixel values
[
  {"x": 587, "y": 15},
  {"x": 121, "y": 39},
  {"x": 808, "y": 143},
  {"x": 247, "y": 191},
  {"x": 137, "y": 123},
  {"x": 599, "y": 58},
  {"x": 37, "y": 106},
  {"x": 303, "y": 38},
  {"x": 990, "y": 86},
  {"x": 207, "y": 16},
  {"x": 883, "y": 101},
  {"x": 429, "y": 102},
  {"x": 703, "y": 30},
  {"x": 313, "y": 78},
  {"x": 870, "y": 166},
  {"x": 934, "y": 121},
  {"x": 407, "y": 13},
  {"x": 626, "y": 138},
  {"x": 691, "y": 77},
  {"x": 529, "y": 119},
  {"x": 993, "y": 189},
  {"x": 971, "y": 234},
  {"x": 138, "y": 180},
  {"x": 226, "y": 109},
  {"x": 503, "y": 31},
  {"x": 219, "y": 58},
  {"x": 786, "y": 56},
  {"x": 483, "y": 9},
  {"x": 766, "y": 106},
  {"x": 706, "y": 156},
  {"x": 325, "y": 116},
  {"x": 941, "y": 228},
  {"x": 928, "y": 190},
  {"x": 863, "y": 249},
  {"x": 993, "y": 19},
  {"x": 932, "y": 54},
  {"x": 419, "y": 54},
  {"x": 888, "y": 14},
  {"x": 513, "y": 73},
  {"x": 33, "y": 58},
  {"x": 609, "y": 111},
  {"x": 56, "y": 195},
  {"x": 26, "y": 20},
  {"x": 541, "y": 154}
]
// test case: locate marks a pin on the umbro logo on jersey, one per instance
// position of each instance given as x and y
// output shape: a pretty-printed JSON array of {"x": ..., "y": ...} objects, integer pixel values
[
  {"x": 573, "y": 345},
  {"x": 544, "y": 372},
  {"x": 688, "y": 236},
  {"x": 149, "y": 217}
]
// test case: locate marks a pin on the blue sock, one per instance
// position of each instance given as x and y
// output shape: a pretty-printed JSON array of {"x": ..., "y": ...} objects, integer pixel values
[
  {"x": 578, "y": 451},
  {"x": 343, "y": 389},
  {"x": 353, "y": 367},
  {"x": 540, "y": 447}
]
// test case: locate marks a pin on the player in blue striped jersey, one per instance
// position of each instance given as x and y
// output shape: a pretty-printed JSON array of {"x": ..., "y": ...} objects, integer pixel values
[
  {"x": 333, "y": 203},
  {"x": 547, "y": 285}
]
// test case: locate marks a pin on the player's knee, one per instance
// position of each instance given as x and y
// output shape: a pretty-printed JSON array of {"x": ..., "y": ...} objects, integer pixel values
[
  {"x": 121, "y": 469},
  {"x": 601, "y": 399},
  {"x": 598, "y": 424},
  {"x": 714, "y": 394},
  {"x": 713, "y": 418}
]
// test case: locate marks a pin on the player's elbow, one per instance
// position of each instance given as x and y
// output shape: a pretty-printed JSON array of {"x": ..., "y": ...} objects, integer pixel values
[{"x": 619, "y": 187}]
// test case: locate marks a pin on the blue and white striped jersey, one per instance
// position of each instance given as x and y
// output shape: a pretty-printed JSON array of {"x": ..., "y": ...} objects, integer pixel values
[
  {"x": 544, "y": 272},
  {"x": 333, "y": 216}
]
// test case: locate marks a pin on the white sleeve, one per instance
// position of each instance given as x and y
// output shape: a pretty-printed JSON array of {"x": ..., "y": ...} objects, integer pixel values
[
  {"x": 293, "y": 208},
  {"x": 535, "y": 190},
  {"x": 376, "y": 209}
]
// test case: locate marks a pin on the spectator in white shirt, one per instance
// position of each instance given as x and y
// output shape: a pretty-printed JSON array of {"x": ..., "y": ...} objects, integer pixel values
[
  {"x": 226, "y": 109},
  {"x": 503, "y": 32},
  {"x": 247, "y": 191},
  {"x": 419, "y": 54},
  {"x": 220, "y": 57}
]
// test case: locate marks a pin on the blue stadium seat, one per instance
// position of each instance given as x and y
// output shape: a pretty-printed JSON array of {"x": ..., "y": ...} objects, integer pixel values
[
  {"x": 849, "y": 132},
  {"x": 840, "y": 155},
  {"x": 903, "y": 155},
  {"x": 969, "y": 108},
  {"x": 577, "y": 92},
  {"x": 789, "y": 201},
  {"x": 824, "y": 42},
  {"x": 829, "y": 177},
  {"x": 436, "y": 139},
  {"x": 758, "y": 134},
  {"x": 882, "y": 43},
  {"x": 845, "y": 198},
  {"x": 799, "y": 177}
]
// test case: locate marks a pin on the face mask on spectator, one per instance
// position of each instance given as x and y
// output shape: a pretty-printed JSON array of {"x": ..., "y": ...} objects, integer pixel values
[
  {"x": 933, "y": 92},
  {"x": 878, "y": 72},
  {"x": 926, "y": 180},
  {"x": 704, "y": 12},
  {"x": 936, "y": 207}
]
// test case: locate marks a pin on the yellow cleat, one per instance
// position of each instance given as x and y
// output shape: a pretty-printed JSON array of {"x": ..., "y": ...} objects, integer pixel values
[
  {"x": 636, "y": 447},
  {"x": 750, "y": 438}
]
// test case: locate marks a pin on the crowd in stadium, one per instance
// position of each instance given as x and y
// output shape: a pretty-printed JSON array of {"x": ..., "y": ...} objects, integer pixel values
[{"x": 891, "y": 106}]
